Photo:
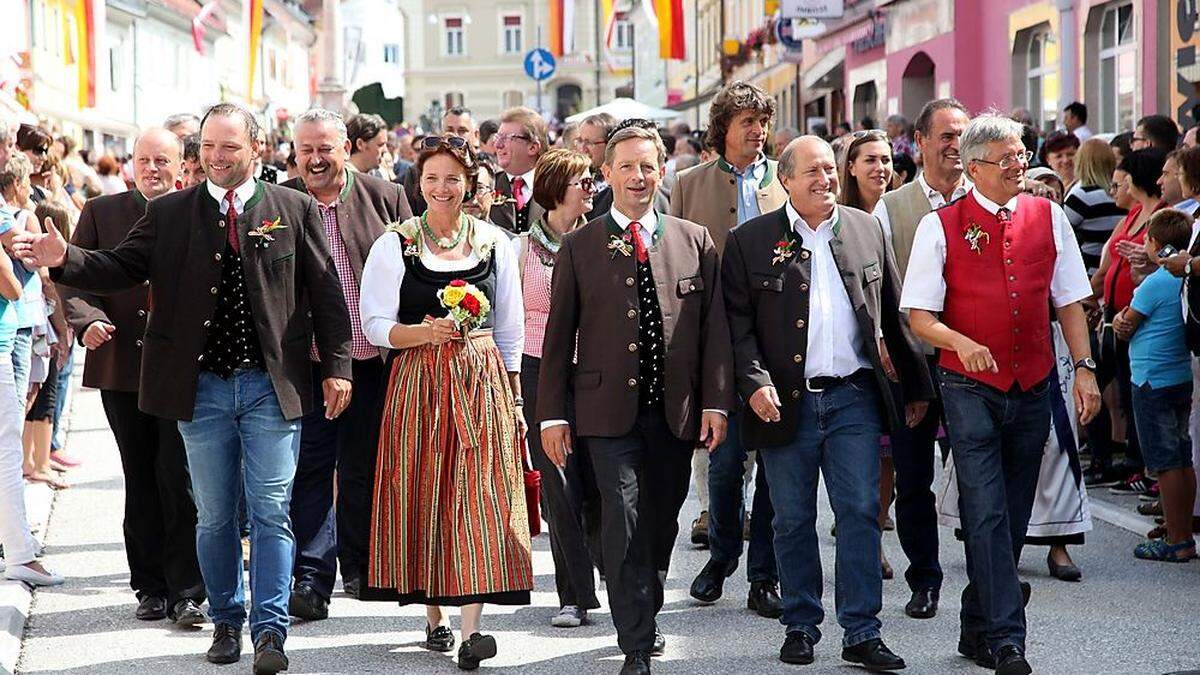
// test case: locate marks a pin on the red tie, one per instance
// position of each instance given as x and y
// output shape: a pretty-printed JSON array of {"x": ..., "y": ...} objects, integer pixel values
[
  {"x": 639, "y": 246},
  {"x": 518, "y": 190},
  {"x": 231, "y": 223}
]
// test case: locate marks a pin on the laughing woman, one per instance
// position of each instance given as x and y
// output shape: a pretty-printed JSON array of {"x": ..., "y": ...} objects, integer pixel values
[{"x": 449, "y": 525}]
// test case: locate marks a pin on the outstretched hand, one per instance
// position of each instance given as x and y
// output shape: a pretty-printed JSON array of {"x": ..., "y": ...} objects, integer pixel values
[{"x": 41, "y": 250}]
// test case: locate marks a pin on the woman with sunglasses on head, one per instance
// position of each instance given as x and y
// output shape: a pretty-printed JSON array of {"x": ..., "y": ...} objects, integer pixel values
[
  {"x": 866, "y": 176},
  {"x": 449, "y": 525},
  {"x": 564, "y": 186},
  {"x": 35, "y": 142}
]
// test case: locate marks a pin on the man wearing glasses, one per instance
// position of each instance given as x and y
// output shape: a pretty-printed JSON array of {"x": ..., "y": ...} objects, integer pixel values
[
  {"x": 519, "y": 143},
  {"x": 990, "y": 264}
]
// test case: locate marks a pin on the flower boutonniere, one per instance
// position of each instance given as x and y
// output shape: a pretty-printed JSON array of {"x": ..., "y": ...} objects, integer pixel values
[
  {"x": 262, "y": 233},
  {"x": 622, "y": 244},
  {"x": 500, "y": 199},
  {"x": 409, "y": 232},
  {"x": 784, "y": 249},
  {"x": 976, "y": 237}
]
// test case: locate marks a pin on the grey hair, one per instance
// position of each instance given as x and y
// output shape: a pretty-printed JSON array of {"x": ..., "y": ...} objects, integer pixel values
[
  {"x": 321, "y": 115},
  {"x": 179, "y": 119},
  {"x": 787, "y": 158},
  {"x": 234, "y": 110},
  {"x": 985, "y": 129},
  {"x": 15, "y": 172},
  {"x": 627, "y": 133}
]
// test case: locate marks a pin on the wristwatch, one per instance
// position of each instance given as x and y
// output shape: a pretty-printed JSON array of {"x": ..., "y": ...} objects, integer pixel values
[{"x": 1088, "y": 363}]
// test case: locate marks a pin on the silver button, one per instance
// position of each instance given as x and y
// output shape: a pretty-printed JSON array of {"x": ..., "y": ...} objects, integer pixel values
[
  {"x": 766, "y": 283},
  {"x": 633, "y": 346},
  {"x": 632, "y": 382},
  {"x": 213, "y": 290},
  {"x": 217, "y": 257},
  {"x": 631, "y": 314},
  {"x": 220, "y": 223},
  {"x": 804, "y": 255},
  {"x": 141, "y": 312},
  {"x": 628, "y": 281},
  {"x": 207, "y": 324},
  {"x": 200, "y": 358},
  {"x": 804, "y": 287},
  {"x": 138, "y": 343},
  {"x": 798, "y": 358},
  {"x": 692, "y": 287},
  {"x": 799, "y": 323},
  {"x": 795, "y": 393},
  {"x": 146, "y": 282}
]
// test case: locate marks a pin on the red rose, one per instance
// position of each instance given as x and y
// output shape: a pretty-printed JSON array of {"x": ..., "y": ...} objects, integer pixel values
[
  {"x": 458, "y": 283},
  {"x": 782, "y": 243},
  {"x": 471, "y": 304}
]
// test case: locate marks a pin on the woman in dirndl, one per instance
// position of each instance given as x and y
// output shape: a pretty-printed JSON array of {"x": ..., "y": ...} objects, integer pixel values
[{"x": 449, "y": 525}]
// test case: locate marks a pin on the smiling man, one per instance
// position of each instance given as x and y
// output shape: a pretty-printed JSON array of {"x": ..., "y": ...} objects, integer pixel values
[
  {"x": 160, "y": 517},
  {"x": 520, "y": 142},
  {"x": 650, "y": 368},
  {"x": 355, "y": 209},
  {"x": 231, "y": 264}
]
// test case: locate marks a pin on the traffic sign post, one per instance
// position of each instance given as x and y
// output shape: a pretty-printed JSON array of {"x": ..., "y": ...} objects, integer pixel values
[{"x": 539, "y": 66}]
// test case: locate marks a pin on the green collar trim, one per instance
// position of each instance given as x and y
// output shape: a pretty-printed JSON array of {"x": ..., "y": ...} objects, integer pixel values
[
  {"x": 349, "y": 184},
  {"x": 259, "y": 192},
  {"x": 615, "y": 229},
  {"x": 140, "y": 199}
]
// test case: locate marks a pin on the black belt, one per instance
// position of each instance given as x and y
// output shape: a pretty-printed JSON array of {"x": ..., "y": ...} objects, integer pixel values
[{"x": 816, "y": 385}]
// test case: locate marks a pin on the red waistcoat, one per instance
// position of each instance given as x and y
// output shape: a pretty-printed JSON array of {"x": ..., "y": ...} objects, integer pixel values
[{"x": 999, "y": 295}]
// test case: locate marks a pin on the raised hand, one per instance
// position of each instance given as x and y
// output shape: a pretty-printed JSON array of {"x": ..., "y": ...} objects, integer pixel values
[{"x": 41, "y": 250}]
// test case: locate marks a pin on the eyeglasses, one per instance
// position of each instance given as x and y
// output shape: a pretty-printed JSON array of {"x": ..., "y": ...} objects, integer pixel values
[
  {"x": 587, "y": 184},
  {"x": 633, "y": 122},
  {"x": 583, "y": 142},
  {"x": 454, "y": 142},
  {"x": 1008, "y": 162},
  {"x": 503, "y": 139}
]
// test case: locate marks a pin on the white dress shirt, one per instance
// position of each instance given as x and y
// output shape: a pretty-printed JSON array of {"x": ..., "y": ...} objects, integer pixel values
[
  {"x": 936, "y": 201},
  {"x": 925, "y": 285},
  {"x": 241, "y": 195},
  {"x": 383, "y": 274},
  {"x": 835, "y": 344}
]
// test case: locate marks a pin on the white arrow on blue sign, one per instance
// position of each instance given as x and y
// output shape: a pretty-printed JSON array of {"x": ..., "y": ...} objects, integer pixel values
[{"x": 539, "y": 64}]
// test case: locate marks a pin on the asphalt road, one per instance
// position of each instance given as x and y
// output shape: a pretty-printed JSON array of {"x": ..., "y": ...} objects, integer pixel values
[{"x": 1126, "y": 616}]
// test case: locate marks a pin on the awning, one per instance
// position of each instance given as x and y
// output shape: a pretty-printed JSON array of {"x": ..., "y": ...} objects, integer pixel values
[
  {"x": 627, "y": 108},
  {"x": 816, "y": 77}
]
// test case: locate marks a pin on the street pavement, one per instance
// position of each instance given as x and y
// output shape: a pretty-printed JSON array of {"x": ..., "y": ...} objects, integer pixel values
[{"x": 1126, "y": 616}]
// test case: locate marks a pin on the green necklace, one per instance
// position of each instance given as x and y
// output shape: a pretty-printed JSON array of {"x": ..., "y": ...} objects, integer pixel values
[{"x": 445, "y": 243}]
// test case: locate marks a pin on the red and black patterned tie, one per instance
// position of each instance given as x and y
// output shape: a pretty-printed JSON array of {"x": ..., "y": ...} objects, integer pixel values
[
  {"x": 639, "y": 245},
  {"x": 231, "y": 223},
  {"x": 518, "y": 191}
]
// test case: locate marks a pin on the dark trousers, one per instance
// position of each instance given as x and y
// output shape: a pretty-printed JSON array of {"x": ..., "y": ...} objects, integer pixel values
[
  {"x": 643, "y": 479},
  {"x": 913, "y": 453},
  {"x": 726, "y": 508},
  {"x": 570, "y": 500},
  {"x": 345, "y": 447},
  {"x": 997, "y": 439},
  {"x": 160, "y": 516},
  {"x": 1113, "y": 366}
]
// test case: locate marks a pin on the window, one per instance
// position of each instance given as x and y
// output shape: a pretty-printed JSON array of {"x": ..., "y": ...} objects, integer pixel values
[
  {"x": 1041, "y": 79},
  {"x": 622, "y": 32},
  {"x": 454, "y": 36},
  {"x": 512, "y": 34},
  {"x": 115, "y": 68},
  {"x": 391, "y": 54},
  {"x": 1118, "y": 68}
]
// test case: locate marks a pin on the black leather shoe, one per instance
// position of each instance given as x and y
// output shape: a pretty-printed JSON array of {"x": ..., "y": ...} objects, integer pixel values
[
  {"x": 1068, "y": 572},
  {"x": 1011, "y": 661},
  {"x": 636, "y": 663},
  {"x": 797, "y": 648},
  {"x": 874, "y": 656},
  {"x": 923, "y": 605},
  {"x": 268, "y": 654},
  {"x": 440, "y": 639},
  {"x": 226, "y": 645},
  {"x": 306, "y": 604},
  {"x": 764, "y": 599},
  {"x": 475, "y": 649},
  {"x": 186, "y": 613},
  {"x": 710, "y": 583},
  {"x": 1026, "y": 593},
  {"x": 352, "y": 587},
  {"x": 974, "y": 647},
  {"x": 151, "y": 608},
  {"x": 660, "y": 643}
]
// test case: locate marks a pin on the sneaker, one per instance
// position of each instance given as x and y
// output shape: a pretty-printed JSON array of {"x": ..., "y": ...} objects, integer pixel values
[
  {"x": 1153, "y": 508},
  {"x": 569, "y": 616},
  {"x": 1151, "y": 495},
  {"x": 1136, "y": 484},
  {"x": 1099, "y": 476}
]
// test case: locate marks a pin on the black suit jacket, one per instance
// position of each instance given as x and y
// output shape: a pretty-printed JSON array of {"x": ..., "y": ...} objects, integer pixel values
[
  {"x": 177, "y": 247},
  {"x": 767, "y": 305}
]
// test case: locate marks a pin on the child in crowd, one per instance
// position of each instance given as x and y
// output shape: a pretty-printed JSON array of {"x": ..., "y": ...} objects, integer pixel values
[{"x": 1162, "y": 386}]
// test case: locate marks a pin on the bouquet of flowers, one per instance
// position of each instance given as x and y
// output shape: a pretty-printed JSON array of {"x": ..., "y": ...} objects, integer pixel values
[{"x": 468, "y": 306}]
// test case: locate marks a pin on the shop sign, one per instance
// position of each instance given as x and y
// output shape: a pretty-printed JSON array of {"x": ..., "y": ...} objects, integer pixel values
[{"x": 813, "y": 9}]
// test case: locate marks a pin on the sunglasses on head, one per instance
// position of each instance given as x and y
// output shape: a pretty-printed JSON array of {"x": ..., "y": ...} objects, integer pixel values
[
  {"x": 453, "y": 142},
  {"x": 875, "y": 133}
]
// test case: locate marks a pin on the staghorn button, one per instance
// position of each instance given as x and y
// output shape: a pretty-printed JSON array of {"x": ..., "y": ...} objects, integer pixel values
[
  {"x": 799, "y": 323},
  {"x": 804, "y": 287},
  {"x": 631, "y": 314},
  {"x": 804, "y": 255},
  {"x": 798, "y": 358},
  {"x": 220, "y": 223},
  {"x": 628, "y": 281},
  {"x": 633, "y": 346},
  {"x": 632, "y": 382},
  {"x": 208, "y": 324},
  {"x": 766, "y": 283},
  {"x": 141, "y": 312},
  {"x": 213, "y": 290},
  {"x": 139, "y": 344},
  {"x": 217, "y": 257}
]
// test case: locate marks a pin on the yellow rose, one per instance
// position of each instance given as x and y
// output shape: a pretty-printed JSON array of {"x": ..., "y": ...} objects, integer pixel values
[{"x": 453, "y": 295}]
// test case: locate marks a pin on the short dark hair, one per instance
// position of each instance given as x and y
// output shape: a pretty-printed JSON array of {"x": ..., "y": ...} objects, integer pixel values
[
  {"x": 1188, "y": 160},
  {"x": 729, "y": 101},
  {"x": 191, "y": 147},
  {"x": 487, "y": 129},
  {"x": 1077, "y": 109},
  {"x": 1144, "y": 167},
  {"x": 867, "y": 122},
  {"x": 1170, "y": 227},
  {"x": 457, "y": 110},
  {"x": 902, "y": 162},
  {"x": 234, "y": 110},
  {"x": 363, "y": 127},
  {"x": 1123, "y": 142},
  {"x": 924, "y": 121},
  {"x": 1161, "y": 131},
  {"x": 1057, "y": 141}
]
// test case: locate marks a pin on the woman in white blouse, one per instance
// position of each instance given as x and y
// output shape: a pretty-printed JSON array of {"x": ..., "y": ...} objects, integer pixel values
[{"x": 449, "y": 524}]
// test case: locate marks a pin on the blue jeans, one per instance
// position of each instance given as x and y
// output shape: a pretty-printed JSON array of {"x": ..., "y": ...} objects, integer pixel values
[
  {"x": 1162, "y": 425},
  {"x": 21, "y": 354},
  {"x": 238, "y": 422},
  {"x": 997, "y": 439},
  {"x": 726, "y": 508},
  {"x": 837, "y": 436}
]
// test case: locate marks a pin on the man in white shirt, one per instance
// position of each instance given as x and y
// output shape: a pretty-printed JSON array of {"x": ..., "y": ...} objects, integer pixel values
[
  {"x": 996, "y": 364},
  {"x": 812, "y": 296},
  {"x": 520, "y": 142},
  {"x": 1075, "y": 117}
]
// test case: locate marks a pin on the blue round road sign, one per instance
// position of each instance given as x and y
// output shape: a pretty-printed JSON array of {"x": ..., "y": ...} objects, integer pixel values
[{"x": 539, "y": 64}]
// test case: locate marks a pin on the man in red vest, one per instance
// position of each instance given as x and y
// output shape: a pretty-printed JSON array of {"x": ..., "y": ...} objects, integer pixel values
[{"x": 992, "y": 263}]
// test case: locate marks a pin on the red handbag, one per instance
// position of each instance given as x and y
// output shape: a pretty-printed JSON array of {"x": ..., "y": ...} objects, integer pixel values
[{"x": 533, "y": 491}]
